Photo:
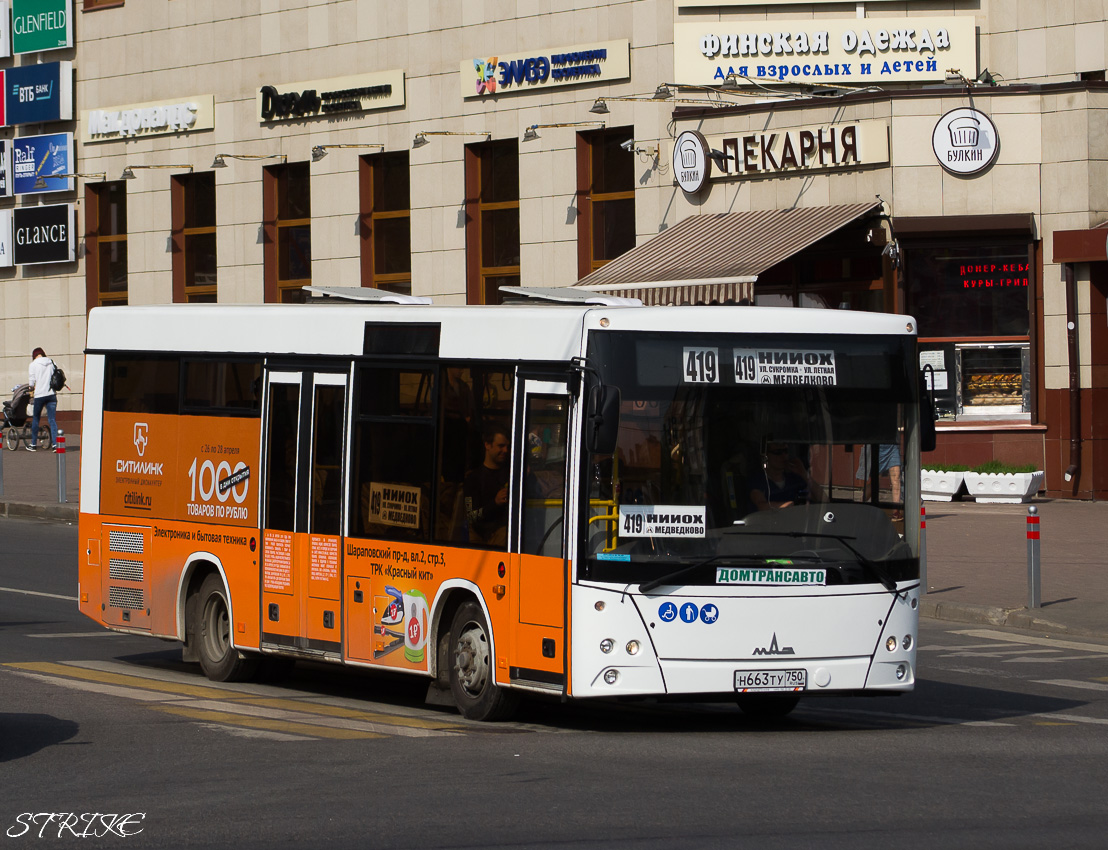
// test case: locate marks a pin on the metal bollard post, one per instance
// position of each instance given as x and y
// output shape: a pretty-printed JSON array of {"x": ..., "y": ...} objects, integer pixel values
[
  {"x": 922, "y": 549},
  {"x": 1, "y": 465},
  {"x": 1034, "y": 571},
  {"x": 60, "y": 452}
]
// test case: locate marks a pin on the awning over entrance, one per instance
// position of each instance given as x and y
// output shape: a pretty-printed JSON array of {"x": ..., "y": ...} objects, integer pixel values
[{"x": 717, "y": 257}]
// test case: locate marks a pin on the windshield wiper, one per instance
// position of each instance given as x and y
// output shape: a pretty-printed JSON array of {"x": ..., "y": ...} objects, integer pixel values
[
  {"x": 760, "y": 560},
  {"x": 872, "y": 567}
]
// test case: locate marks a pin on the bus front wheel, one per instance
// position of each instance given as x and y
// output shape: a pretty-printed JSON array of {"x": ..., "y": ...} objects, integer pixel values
[
  {"x": 472, "y": 677},
  {"x": 219, "y": 660}
]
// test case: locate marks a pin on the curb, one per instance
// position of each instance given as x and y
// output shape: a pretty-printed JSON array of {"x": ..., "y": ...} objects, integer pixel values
[
  {"x": 63, "y": 512},
  {"x": 988, "y": 615}
]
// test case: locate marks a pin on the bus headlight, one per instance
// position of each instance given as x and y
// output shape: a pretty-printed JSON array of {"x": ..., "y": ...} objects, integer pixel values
[
  {"x": 632, "y": 647},
  {"x": 907, "y": 642},
  {"x": 607, "y": 645},
  {"x": 901, "y": 671},
  {"x": 890, "y": 644},
  {"x": 611, "y": 676}
]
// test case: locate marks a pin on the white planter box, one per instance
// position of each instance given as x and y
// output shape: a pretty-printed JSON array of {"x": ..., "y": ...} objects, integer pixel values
[
  {"x": 1012, "y": 487},
  {"x": 939, "y": 486}
]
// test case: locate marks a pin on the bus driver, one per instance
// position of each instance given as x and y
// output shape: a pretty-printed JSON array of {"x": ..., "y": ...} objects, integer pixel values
[{"x": 783, "y": 482}]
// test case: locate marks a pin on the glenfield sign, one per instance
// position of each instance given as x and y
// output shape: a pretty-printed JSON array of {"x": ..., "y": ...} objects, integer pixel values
[
  {"x": 965, "y": 141},
  {"x": 807, "y": 52},
  {"x": 546, "y": 68},
  {"x": 43, "y": 234},
  {"x": 330, "y": 98},
  {"x": 41, "y": 25}
]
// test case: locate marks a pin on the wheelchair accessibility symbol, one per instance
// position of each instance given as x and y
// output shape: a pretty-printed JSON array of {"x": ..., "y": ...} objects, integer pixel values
[{"x": 667, "y": 611}]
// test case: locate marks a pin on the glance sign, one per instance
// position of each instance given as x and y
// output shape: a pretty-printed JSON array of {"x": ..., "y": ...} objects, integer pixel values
[
  {"x": 692, "y": 167},
  {"x": 965, "y": 141}
]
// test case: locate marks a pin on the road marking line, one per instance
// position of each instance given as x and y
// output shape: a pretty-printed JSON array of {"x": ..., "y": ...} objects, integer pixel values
[
  {"x": 267, "y": 724},
  {"x": 922, "y": 718},
  {"x": 38, "y": 593},
  {"x": 254, "y": 733},
  {"x": 1007, "y": 638},
  {"x": 1099, "y": 721},
  {"x": 103, "y": 633},
  {"x": 336, "y": 711},
  {"x": 1074, "y": 683},
  {"x": 95, "y": 688},
  {"x": 1048, "y": 723},
  {"x": 1053, "y": 660},
  {"x": 249, "y": 708},
  {"x": 67, "y": 671}
]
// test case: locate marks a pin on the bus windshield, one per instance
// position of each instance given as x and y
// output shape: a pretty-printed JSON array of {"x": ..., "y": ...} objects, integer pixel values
[{"x": 753, "y": 460}]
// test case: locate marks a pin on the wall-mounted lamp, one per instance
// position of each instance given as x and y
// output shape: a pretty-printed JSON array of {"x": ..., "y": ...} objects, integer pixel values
[
  {"x": 219, "y": 161},
  {"x": 320, "y": 151},
  {"x": 530, "y": 134},
  {"x": 40, "y": 183},
  {"x": 129, "y": 174},
  {"x": 421, "y": 137}
]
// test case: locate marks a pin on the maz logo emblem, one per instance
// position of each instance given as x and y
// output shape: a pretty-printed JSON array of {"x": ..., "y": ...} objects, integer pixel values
[{"x": 774, "y": 649}]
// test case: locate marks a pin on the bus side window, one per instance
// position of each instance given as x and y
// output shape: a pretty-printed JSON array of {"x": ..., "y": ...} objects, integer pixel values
[
  {"x": 394, "y": 451},
  {"x": 473, "y": 400}
]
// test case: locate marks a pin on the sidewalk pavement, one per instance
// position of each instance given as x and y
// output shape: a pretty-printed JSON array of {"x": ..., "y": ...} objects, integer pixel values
[{"x": 976, "y": 554}]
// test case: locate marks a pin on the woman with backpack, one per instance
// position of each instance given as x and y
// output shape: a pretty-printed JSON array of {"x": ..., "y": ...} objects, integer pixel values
[{"x": 40, "y": 376}]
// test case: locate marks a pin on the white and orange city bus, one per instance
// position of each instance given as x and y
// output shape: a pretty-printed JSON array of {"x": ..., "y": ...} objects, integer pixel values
[{"x": 559, "y": 498}]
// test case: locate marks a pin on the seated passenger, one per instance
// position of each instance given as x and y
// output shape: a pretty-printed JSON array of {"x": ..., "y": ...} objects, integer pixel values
[{"x": 486, "y": 492}]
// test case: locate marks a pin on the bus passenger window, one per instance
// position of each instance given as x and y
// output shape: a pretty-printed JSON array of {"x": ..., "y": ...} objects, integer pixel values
[
  {"x": 284, "y": 410},
  {"x": 393, "y": 455},
  {"x": 142, "y": 384}
]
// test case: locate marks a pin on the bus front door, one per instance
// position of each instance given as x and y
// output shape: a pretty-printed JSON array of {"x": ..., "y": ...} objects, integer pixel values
[
  {"x": 301, "y": 544},
  {"x": 539, "y": 554}
]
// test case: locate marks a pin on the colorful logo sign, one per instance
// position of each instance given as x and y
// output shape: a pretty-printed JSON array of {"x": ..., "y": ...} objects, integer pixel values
[
  {"x": 965, "y": 141},
  {"x": 38, "y": 93},
  {"x": 39, "y": 163},
  {"x": 486, "y": 75},
  {"x": 41, "y": 25}
]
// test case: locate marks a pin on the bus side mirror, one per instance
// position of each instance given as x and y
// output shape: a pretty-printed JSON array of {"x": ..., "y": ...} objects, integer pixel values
[
  {"x": 927, "y": 436},
  {"x": 602, "y": 420}
]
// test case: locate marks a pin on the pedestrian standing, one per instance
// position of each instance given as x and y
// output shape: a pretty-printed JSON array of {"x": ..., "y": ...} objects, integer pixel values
[{"x": 39, "y": 376}]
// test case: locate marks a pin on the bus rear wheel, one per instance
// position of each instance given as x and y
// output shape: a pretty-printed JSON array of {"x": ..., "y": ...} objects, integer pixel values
[
  {"x": 767, "y": 706},
  {"x": 219, "y": 660},
  {"x": 472, "y": 677}
]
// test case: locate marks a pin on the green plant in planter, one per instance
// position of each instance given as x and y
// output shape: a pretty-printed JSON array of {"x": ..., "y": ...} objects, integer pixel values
[{"x": 999, "y": 467}]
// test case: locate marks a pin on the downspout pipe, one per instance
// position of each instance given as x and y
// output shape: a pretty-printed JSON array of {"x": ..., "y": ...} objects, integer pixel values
[{"x": 1075, "y": 378}]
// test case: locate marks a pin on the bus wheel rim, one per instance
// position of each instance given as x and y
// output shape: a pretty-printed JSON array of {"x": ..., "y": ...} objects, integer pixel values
[{"x": 471, "y": 659}]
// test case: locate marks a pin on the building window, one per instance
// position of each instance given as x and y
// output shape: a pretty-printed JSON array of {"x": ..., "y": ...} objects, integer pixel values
[
  {"x": 194, "y": 258},
  {"x": 492, "y": 220},
  {"x": 287, "y": 210},
  {"x": 386, "y": 231},
  {"x": 605, "y": 198},
  {"x": 93, "y": 5},
  {"x": 972, "y": 302},
  {"x": 106, "y": 244}
]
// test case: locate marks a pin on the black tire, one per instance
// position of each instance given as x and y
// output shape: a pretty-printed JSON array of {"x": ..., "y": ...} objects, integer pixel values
[
  {"x": 472, "y": 671},
  {"x": 219, "y": 660},
  {"x": 766, "y": 707}
]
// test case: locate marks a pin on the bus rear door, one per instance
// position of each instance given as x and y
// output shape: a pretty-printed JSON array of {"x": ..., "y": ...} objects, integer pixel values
[
  {"x": 539, "y": 554},
  {"x": 301, "y": 543}
]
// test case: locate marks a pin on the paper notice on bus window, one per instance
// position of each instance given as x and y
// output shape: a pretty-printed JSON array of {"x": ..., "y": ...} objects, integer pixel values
[
  {"x": 784, "y": 366},
  {"x": 935, "y": 359},
  {"x": 661, "y": 521},
  {"x": 394, "y": 504},
  {"x": 939, "y": 379}
]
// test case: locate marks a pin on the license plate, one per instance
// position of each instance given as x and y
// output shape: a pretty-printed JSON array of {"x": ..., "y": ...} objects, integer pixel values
[{"x": 771, "y": 680}]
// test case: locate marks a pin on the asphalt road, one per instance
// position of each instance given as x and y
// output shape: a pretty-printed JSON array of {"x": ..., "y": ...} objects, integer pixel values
[{"x": 1003, "y": 744}]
